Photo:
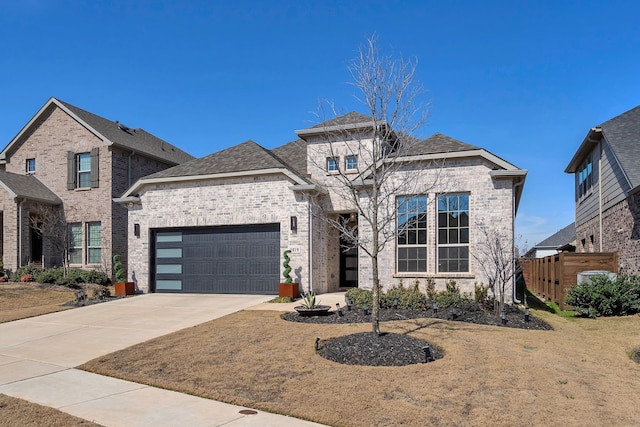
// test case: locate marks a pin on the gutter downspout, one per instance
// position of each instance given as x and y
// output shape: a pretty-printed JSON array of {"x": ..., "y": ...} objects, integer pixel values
[
  {"x": 310, "y": 248},
  {"x": 514, "y": 297},
  {"x": 600, "y": 193}
]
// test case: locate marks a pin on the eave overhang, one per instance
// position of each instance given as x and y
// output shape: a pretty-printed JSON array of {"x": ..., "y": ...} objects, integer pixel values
[
  {"x": 135, "y": 188},
  {"x": 590, "y": 142}
]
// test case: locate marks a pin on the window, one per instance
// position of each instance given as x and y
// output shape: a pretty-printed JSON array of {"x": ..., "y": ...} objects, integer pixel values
[
  {"x": 75, "y": 243},
  {"x": 453, "y": 233},
  {"x": 82, "y": 169},
  {"x": 351, "y": 163},
  {"x": 585, "y": 178},
  {"x": 411, "y": 215},
  {"x": 31, "y": 165},
  {"x": 332, "y": 164},
  {"x": 94, "y": 243}
]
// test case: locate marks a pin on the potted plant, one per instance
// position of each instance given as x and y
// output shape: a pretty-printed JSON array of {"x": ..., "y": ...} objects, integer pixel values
[
  {"x": 288, "y": 288},
  {"x": 122, "y": 287},
  {"x": 309, "y": 307}
]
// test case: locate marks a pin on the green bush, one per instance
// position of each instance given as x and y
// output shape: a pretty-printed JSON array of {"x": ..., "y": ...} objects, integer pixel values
[
  {"x": 481, "y": 292},
  {"x": 408, "y": 298},
  {"x": 603, "y": 296},
  {"x": 20, "y": 272},
  {"x": 451, "y": 295},
  {"x": 49, "y": 275},
  {"x": 360, "y": 297},
  {"x": 56, "y": 275},
  {"x": 431, "y": 288},
  {"x": 95, "y": 276}
]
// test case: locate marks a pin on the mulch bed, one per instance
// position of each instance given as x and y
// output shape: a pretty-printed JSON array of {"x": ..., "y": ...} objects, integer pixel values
[{"x": 391, "y": 349}]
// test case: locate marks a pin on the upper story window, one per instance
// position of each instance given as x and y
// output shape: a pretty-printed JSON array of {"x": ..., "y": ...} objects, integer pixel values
[
  {"x": 585, "y": 178},
  {"x": 30, "y": 166},
  {"x": 411, "y": 223},
  {"x": 332, "y": 164},
  {"x": 82, "y": 169},
  {"x": 453, "y": 233},
  {"x": 351, "y": 163}
]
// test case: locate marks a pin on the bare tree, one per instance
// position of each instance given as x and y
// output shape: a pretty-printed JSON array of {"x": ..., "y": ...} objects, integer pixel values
[
  {"x": 381, "y": 143},
  {"x": 50, "y": 222},
  {"x": 494, "y": 254}
]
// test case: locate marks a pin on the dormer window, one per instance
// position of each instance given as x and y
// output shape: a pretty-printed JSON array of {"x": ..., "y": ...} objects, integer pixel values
[
  {"x": 351, "y": 163},
  {"x": 332, "y": 164},
  {"x": 31, "y": 166}
]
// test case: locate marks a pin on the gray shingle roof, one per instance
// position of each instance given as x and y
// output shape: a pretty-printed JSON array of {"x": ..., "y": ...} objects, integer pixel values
[
  {"x": 439, "y": 143},
  {"x": 561, "y": 238},
  {"x": 623, "y": 134},
  {"x": 294, "y": 154},
  {"x": 27, "y": 186},
  {"x": 347, "y": 119},
  {"x": 135, "y": 139},
  {"x": 247, "y": 156}
]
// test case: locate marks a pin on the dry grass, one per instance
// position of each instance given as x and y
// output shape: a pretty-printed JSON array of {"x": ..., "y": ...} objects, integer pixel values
[
  {"x": 22, "y": 300},
  {"x": 578, "y": 374},
  {"x": 20, "y": 413}
]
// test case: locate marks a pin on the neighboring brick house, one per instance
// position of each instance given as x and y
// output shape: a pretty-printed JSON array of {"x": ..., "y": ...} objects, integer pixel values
[
  {"x": 607, "y": 190},
  {"x": 75, "y": 162},
  {"x": 220, "y": 224}
]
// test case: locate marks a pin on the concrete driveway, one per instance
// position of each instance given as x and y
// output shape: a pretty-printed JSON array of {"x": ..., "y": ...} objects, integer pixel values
[{"x": 37, "y": 357}]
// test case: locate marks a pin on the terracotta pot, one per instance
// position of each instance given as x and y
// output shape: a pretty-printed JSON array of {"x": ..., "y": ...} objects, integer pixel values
[
  {"x": 124, "y": 288},
  {"x": 291, "y": 290}
]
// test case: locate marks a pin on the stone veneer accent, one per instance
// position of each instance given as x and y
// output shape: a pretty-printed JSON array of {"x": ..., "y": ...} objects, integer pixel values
[{"x": 621, "y": 234}]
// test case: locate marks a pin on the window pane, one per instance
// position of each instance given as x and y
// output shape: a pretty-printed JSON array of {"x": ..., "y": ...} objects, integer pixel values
[
  {"x": 453, "y": 236},
  {"x": 94, "y": 234},
  {"x": 422, "y": 237},
  {"x": 84, "y": 162},
  {"x": 169, "y": 237},
  {"x": 174, "y": 285},
  {"x": 352, "y": 162},
  {"x": 75, "y": 235},
  {"x": 94, "y": 256},
  {"x": 84, "y": 179},
  {"x": 169, "y": 269},
  {"x": 464, "y": 235},
  {"x": 75, "y": 256},
  {"x": 169, "y": 253}
]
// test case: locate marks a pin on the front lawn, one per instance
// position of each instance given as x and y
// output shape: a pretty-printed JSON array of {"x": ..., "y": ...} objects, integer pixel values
[
  {"x": 580, "y": 373},
  {"x": 21, "y": 300}
]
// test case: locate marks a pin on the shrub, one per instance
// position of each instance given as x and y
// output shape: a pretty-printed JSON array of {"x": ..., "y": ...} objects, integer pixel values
[
  {"x": 431, "y": 288},
  {"x": 49, "y": 275},
  {"x": 451, "y": 295},
  {"x": 481, "y": 292},
  {"x": 95, "y": 276},
  {"x": 408, "y": 298},
  {"x": 360, "y": 297},
  {"x": 26, "y": 278},
  {"x": 23, "y": 271},
  {"x": 603, "y": 296}
]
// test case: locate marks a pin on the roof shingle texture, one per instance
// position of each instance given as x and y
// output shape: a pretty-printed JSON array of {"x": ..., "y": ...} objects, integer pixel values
[
  {"x": 439, "y": 143},
  {"x": 247, "y": 156},
  {"x": 347, "y": 119},
  {"x": 29, "y": 187},
  {"x": 623, "y": 134},
  {"x": 561, "y": 238},
  {"x": 136, "y": 140}
]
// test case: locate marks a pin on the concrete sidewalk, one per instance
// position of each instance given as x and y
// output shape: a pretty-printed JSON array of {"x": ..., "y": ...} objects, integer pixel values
[{"x": 37, "y": 357}]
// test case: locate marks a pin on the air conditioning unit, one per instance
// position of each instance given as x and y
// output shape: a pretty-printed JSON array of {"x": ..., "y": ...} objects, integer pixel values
[{"x": 586, "y": 276}]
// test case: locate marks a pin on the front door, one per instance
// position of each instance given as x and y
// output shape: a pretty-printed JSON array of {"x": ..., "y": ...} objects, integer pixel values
[
  {"x": 348, "y": 257},
  {"x": 36, "y": 246}
]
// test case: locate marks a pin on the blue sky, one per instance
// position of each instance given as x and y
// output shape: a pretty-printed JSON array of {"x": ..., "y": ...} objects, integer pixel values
[{"x": 523, "y": 79}]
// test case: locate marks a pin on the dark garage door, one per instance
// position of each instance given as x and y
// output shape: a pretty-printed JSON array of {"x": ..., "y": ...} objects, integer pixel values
[{"x": 231, "y": 259}]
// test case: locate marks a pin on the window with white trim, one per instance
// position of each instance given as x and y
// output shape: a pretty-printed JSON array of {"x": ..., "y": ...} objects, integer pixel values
[
  {"x": 94, "y": 243},
  {"x": 411, "y": 227},
  {"x": 83, "y": 170},
  {"x": 30, "y": 166},
  {"x": 351, "y": 163},
  {"x": 332, "y": 164},
  {"x": 453, "y": 233},
  {"x": 75, "y": 243}
]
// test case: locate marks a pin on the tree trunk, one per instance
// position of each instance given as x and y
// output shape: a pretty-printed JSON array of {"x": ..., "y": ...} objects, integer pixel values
[{"x": 375, "y": 309}]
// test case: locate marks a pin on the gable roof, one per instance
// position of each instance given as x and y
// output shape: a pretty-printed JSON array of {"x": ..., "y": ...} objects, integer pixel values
[
  {"x": 560, "y": 238},
  {"x": 28, "y": 187},
  {"x": 622, "y": 133},
  {"x": 110, "y": 132},
  {"x": 294, "y": 154},
  {"x": 350, "y": 118}
]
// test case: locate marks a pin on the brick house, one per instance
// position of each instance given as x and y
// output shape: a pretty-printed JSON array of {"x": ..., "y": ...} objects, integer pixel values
[
  {"x": 220, "y": 224},
  {"x": 607, "y": 190},
  {"x": 74, "y": 162}
]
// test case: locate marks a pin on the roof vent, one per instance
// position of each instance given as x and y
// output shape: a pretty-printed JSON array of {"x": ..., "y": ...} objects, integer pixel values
[{"x": 125, "y": 128}]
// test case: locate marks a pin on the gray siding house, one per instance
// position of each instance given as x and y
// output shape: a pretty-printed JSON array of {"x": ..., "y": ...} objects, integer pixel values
[
  {"x": 607, "y": 190},
  {"x": 220, "y": 224}
]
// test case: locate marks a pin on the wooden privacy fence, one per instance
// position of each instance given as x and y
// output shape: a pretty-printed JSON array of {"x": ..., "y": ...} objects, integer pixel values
[{"x": 550, "y": 277}]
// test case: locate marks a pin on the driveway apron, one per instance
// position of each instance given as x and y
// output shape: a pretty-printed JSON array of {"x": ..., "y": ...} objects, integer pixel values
[{"x": 37, "y": 357}]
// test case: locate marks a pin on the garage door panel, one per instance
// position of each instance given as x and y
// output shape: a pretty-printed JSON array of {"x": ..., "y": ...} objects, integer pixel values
[{"x": 238, "y": 259}]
